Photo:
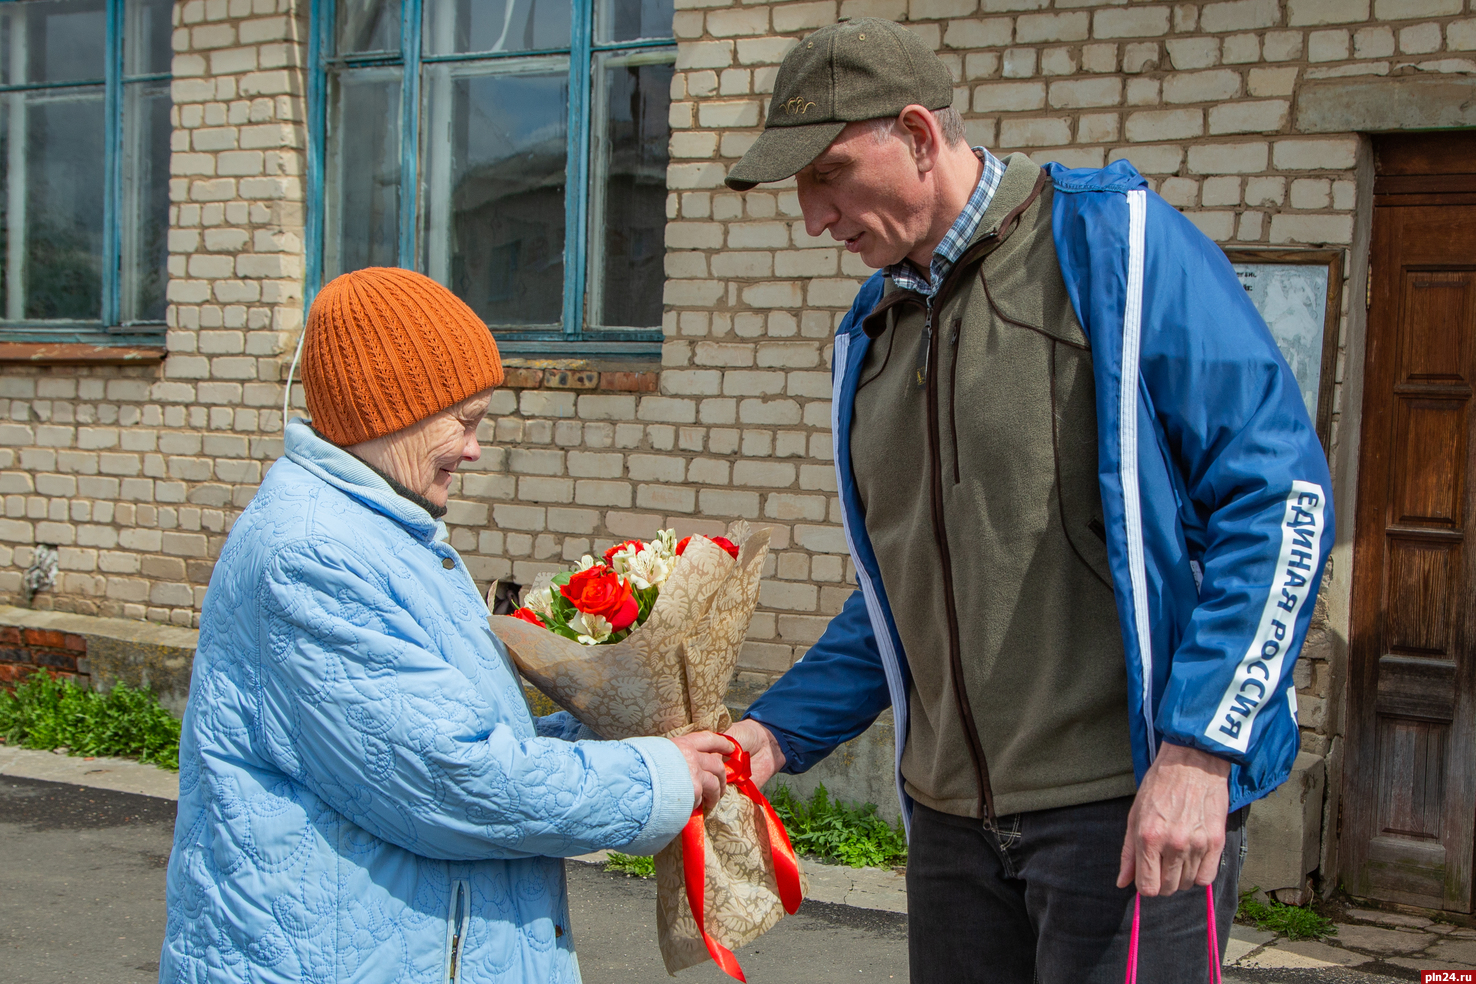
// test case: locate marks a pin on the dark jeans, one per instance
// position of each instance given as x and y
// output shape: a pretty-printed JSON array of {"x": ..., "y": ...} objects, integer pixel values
[{"x": 1034, "y": 899}]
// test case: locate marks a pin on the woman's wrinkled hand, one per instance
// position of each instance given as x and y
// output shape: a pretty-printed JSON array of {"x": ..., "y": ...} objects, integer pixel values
[{"x": 704, "y": 752}]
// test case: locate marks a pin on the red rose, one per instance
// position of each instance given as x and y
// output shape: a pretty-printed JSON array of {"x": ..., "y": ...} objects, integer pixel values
[
  {"x": 600, "y": 591},
  {"x": 610, "y": 554},
  {"x": 721, "y": 541},
  {"x": 529, "y": 615}
]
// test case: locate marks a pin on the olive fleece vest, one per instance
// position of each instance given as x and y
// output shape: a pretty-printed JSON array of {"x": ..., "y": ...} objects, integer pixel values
[{"x": 974, "y": 447}]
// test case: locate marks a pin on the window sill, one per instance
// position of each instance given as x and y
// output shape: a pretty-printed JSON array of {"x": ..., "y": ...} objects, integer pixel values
[
  {"x": 78, "y": 354},
  {"x": 579, "y": 374}
]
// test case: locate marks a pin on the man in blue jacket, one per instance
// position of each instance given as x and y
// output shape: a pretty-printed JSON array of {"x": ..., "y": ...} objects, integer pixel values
[{"x": 1089, "y": 518}]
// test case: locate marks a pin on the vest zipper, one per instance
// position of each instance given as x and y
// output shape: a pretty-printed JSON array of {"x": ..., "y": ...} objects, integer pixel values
[
  {"x": 975, "y": 253},
  {"x": 925, "y": 344},
  {"x": 940, "y": 536},
  {"x": 953, "y": 397}
]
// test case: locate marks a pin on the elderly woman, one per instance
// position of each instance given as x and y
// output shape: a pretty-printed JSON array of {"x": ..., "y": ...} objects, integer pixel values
[{"x": 364, "y": 795}]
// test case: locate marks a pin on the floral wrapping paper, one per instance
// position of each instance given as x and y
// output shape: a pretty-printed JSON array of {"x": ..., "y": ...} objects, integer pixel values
[{"x": 670, "y": 677}]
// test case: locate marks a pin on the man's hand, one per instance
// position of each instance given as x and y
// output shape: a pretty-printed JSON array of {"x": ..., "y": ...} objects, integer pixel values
[
  {"x": 704, "y": 752},
  {"x": 1176, "y": 829},
  {"x": 764, "y": 757}
]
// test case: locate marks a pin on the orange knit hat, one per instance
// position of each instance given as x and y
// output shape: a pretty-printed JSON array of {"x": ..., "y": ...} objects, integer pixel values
[{"x": 386, "y": 348}]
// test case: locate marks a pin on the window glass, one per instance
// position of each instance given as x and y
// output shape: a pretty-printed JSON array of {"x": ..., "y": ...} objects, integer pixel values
[
  {"x": 52, "y": 156},
  {"x": 52, "y": 41},
  {"x": 460, "y": 26},
  {"x": 147, "y": 41},
  {"x": 628, "y": 20},
  {"x": 145, "y": 212},
  {"x": 67, "y": 202},
  {"x": 363, "y": 217},
  {"x": 367, "y": 25},
  {"x": 494, "y": 229},
  {"x": 484, "y": 161},
  {"x": 628, "y": 195}
]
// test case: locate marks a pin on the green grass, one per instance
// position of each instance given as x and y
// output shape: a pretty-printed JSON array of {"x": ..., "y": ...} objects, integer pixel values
[
  {"x": 1293, "y": 922},
  {"x": 833, "y": 831},
  {"x": 44, "y": 713},
  {"x": 631, "y": 864}
]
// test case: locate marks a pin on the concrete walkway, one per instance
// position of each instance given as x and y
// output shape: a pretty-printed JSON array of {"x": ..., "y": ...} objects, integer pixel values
[
  {"x": 1369, "y": 941},
  {"x": 121, "y": 775},
  {"x": 1369, "y": 946}
]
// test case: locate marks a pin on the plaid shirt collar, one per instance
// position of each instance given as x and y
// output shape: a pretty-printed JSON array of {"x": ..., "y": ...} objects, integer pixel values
[{"x": 907, "y": 277}]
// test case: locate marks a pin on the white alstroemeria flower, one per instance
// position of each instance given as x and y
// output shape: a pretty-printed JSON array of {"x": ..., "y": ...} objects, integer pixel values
[
  {"x": 592, "y": 629},
  {"x": 649, "y": 569},
  {"x": 540, "y": 600},
  {"x": 665, "y": 544},
  {"x": 585, "y": 563}
]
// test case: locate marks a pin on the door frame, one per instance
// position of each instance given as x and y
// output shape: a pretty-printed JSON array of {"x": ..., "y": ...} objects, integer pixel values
[{"x": 1401, "y": 169}]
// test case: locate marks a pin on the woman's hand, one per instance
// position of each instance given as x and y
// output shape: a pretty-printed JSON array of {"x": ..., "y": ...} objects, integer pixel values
[{"x": 704, "y": 752}]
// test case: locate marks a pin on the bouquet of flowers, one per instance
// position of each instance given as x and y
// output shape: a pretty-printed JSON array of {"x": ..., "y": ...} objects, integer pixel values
[
  {"x": 599, "y": 603},
  {"x": 645, "y": 642}
]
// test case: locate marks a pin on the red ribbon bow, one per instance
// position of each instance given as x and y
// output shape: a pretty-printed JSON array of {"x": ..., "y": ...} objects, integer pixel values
[{"x": 694, "y": 858}]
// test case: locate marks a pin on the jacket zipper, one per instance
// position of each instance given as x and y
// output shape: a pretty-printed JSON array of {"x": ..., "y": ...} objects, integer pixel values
[
  {"x": 940, "y": 536},
  {"x": 457, "y": 920}
]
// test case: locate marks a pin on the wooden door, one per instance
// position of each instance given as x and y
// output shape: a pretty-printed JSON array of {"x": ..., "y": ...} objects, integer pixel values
[{"x": 1410, "y": 805}]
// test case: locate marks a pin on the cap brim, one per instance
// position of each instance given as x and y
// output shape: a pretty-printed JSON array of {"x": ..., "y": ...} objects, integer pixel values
[{"x": 782, "y": 152}]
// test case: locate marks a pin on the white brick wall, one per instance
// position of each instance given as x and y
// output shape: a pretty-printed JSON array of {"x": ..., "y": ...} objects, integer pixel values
[{"x": 137, "y": 472}]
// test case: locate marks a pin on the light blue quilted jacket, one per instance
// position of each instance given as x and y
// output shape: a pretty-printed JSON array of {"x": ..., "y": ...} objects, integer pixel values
[{"x": 364, "y": 795}]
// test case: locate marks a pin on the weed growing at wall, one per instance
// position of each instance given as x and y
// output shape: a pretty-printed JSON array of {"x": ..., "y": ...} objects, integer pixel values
[
  {"x": 833, "y": 831},
  {"x": 1293, "y": 922},
  {"x": 45, "y": 713},
  {"x": 631, "y": 864}
]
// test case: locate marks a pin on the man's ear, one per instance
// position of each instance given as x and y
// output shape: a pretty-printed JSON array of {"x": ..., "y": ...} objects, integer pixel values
[{"x": 924, "y": 137}]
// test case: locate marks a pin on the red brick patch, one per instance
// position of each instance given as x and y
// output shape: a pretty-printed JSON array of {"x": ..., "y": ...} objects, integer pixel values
[
  {"x": 571, "y": 379},
  {"x": 536, "y": 377},
  {"x": 629, "y": 382},
  {"x": 24, "y": 651},
  {"x": 50, "y": 638},
  {"x": 520, "y": 378},
  {"x": 52, "y": 660}
]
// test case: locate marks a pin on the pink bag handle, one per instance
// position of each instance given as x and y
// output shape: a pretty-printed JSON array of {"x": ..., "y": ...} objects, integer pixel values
[{"x": 1211, "y": 938}]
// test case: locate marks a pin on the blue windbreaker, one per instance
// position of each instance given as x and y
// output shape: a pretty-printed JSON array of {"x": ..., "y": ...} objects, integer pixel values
[
  {"x": 363, "y": 794},
  {"x": 1215, "y": 490}
]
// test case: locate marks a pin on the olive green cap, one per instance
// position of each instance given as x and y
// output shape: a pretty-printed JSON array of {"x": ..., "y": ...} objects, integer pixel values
[{"x": 857, "y": 70}]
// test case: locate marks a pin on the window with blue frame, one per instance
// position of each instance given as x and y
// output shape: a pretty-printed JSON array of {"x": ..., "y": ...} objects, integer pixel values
[
  {"x": 514, "y": 150},
  {"x": 84, "y": 170}
]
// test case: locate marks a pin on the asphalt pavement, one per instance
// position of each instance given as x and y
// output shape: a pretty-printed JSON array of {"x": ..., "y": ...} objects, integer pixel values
[
  {"x": 614, "y": 917},
  {"x": 81, "y": 883}
]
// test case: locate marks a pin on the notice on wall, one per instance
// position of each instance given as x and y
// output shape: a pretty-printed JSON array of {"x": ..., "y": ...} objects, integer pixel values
[{"x": 1292, "y": 298}]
